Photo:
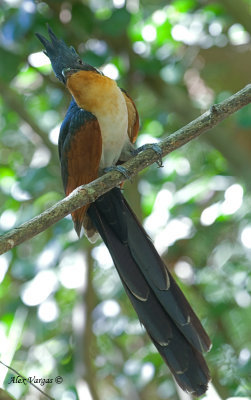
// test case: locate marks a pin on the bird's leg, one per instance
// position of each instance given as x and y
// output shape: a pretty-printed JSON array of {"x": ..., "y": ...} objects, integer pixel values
[
  {"x": 118, "y": 168},
  {"x": 152, "y": 146},
  {"x": 133, "y": 152}
]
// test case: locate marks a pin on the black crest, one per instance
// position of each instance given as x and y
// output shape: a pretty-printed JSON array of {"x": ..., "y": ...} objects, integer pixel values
[{"x": 60, "y": 55}]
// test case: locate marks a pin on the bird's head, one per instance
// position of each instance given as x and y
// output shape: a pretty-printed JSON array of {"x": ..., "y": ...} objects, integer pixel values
[{"x": 64, "y": 60}]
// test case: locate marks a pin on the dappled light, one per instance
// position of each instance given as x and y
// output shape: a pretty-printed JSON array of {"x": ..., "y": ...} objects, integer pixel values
[
  {"x": 38, "y": 59},
  {"x": 72, "y": 271},
  {"x": 246, "y": 237},
  {"x": 48, "y": 311},
  {"x": 184, "y": 271},
  {"x": 39, "y": 288},
  {"x": 111, "y": 71}
]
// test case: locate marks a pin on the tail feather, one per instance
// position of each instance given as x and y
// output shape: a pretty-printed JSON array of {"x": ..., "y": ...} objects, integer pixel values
[
  {"x": 121, "y": 256},
  {"x": 186, "y": 363},
  {"x": 171, "y": 297},
  {"x": 161, "y": 306}
]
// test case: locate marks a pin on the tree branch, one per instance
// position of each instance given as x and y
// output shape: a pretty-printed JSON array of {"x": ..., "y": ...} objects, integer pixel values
[{"x": 88, "y": 193}]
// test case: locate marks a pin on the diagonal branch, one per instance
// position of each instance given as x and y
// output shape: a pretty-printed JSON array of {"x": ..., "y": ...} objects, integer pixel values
[{"x": 88, "y": 193}]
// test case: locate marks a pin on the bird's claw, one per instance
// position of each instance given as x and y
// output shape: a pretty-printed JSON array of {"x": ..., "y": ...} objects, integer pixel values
[
  {"x": 118, "y": 168},
  {"x": 152, "y": 146}
]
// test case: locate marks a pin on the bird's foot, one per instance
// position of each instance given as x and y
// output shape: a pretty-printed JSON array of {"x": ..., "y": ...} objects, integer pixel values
[
  {"x": 152, "y": 146},
  {"x": 118, "y": 168}
]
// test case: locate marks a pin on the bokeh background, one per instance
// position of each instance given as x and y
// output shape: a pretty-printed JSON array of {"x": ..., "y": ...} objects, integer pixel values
[{"x": 63, "y": 311}]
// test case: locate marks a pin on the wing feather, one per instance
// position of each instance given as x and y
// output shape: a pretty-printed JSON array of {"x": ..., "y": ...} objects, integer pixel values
[
  {"x": 80, "y": 158},
  {"x": 133, "y": 117}
]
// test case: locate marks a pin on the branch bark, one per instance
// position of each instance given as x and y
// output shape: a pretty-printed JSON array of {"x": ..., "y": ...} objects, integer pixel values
[{"x": 88, "y": 193}]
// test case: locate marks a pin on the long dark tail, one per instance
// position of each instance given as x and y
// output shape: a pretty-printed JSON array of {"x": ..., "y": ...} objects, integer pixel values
[{"x": 161, "y": 306}]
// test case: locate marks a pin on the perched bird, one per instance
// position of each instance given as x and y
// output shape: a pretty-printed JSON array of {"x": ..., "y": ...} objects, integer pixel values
[{"x": 98, "y": 132}]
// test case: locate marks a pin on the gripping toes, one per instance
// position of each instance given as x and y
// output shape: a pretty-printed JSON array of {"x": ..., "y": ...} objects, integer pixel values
[
  {"x": 152, "y": 146},
  {"x": 118, "y": 168}
]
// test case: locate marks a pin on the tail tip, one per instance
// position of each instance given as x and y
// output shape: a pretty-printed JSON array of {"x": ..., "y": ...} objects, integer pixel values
[{"x": 78, "y": 227}]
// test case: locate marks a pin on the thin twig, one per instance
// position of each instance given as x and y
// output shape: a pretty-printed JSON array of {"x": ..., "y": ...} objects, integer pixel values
[
  {"x": 27, "y": 380},
  {"x": 88, "y": 193}
]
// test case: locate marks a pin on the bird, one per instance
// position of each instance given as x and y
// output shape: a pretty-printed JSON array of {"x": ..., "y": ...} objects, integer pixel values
[{"x": 99, "y": 132}]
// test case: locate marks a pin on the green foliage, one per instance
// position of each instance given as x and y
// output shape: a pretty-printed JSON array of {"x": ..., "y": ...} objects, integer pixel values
[{"x": 175, "y": 59}]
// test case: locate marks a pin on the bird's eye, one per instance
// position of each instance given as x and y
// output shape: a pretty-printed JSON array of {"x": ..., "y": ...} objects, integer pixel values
[{"x": 80, "y": 61}]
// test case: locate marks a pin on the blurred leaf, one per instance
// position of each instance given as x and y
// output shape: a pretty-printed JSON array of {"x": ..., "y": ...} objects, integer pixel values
[
  {"x": 117, "y": 24},
  {"x": 184, "y": 5},
  {"x": 13, "y": 62},
  {"x": 243, "y": 117},
  {"x": 83, "y": 18}
]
